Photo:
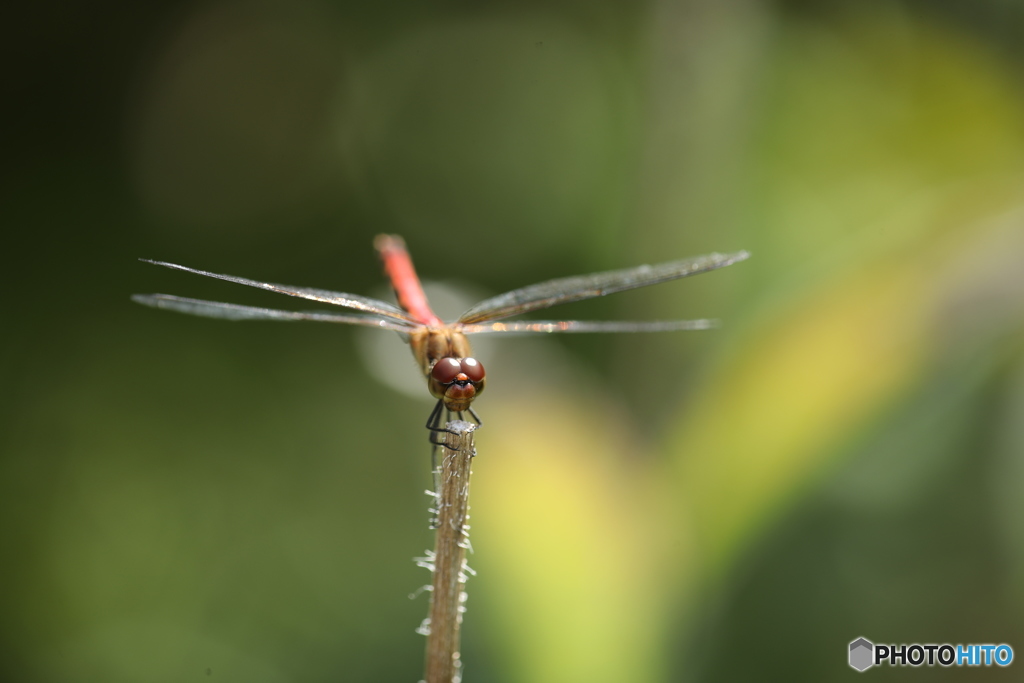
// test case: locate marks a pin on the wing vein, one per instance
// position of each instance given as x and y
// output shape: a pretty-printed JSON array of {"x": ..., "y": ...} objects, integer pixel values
[
  {"x": 345, "y": 300},
  {"x": 218, "y": 309},
  {"x": 566, "y": 290}
]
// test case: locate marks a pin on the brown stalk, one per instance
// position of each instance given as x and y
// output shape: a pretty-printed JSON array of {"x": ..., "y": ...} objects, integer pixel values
[{"x": 448, "y": 596}]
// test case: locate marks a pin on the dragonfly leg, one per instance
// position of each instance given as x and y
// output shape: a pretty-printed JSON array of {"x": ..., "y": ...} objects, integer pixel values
[
  {"x": 437, "y": 441},
  {"x": 434, "y": 425},
  {"x": 476, "y": 418},
  {"x": 434, "y": 421}
]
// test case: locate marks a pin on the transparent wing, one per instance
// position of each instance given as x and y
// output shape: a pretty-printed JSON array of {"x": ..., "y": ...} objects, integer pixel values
[
  {"x": 565, "y": 290},
  {"x": 549, "y": 326},
  {"x": 354, "y": 301},
  {"x": 216, "y": 309}
]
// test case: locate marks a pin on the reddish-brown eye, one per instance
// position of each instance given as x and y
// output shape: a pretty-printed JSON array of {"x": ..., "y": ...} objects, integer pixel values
[
  {"x": 445, "y": 370},
  {"x": 473, "y": 369}
]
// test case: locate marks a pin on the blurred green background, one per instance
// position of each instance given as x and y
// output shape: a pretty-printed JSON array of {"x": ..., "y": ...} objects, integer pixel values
[{"x": 186, "y": 499}]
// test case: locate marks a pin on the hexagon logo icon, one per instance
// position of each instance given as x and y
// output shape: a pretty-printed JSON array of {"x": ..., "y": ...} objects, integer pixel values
[{"x": 862, "y": 653}]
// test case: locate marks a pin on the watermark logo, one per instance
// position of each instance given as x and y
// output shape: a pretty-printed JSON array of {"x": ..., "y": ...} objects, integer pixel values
[{"x": 864, "y": 654}]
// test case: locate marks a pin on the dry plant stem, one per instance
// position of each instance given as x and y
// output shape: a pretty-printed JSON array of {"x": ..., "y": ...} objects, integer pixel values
[{"x": 447, "y": 597}]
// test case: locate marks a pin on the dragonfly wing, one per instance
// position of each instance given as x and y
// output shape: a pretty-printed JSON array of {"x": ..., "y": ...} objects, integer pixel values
[
  {"x": 565, "y": 290},
  {"x": 217, "y": 309},
  {"x": 354, "y": 301},
  {"x": 549, "y": 326}
]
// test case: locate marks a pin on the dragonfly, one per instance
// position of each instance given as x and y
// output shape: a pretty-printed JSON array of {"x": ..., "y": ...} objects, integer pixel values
[{"x": 454, "y": 377}]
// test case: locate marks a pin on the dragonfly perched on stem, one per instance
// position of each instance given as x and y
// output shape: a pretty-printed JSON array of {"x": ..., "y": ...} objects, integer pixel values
[{"x": 442, "y": 350}]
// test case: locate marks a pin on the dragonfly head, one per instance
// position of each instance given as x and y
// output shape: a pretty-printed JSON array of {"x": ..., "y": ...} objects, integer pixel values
[{"x": 456, "y": 381}]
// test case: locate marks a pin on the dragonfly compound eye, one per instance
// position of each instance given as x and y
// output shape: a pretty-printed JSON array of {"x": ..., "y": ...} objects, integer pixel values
[
  {"x": 446, "y": 370},
  {"x": 472, "y": 368}
]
